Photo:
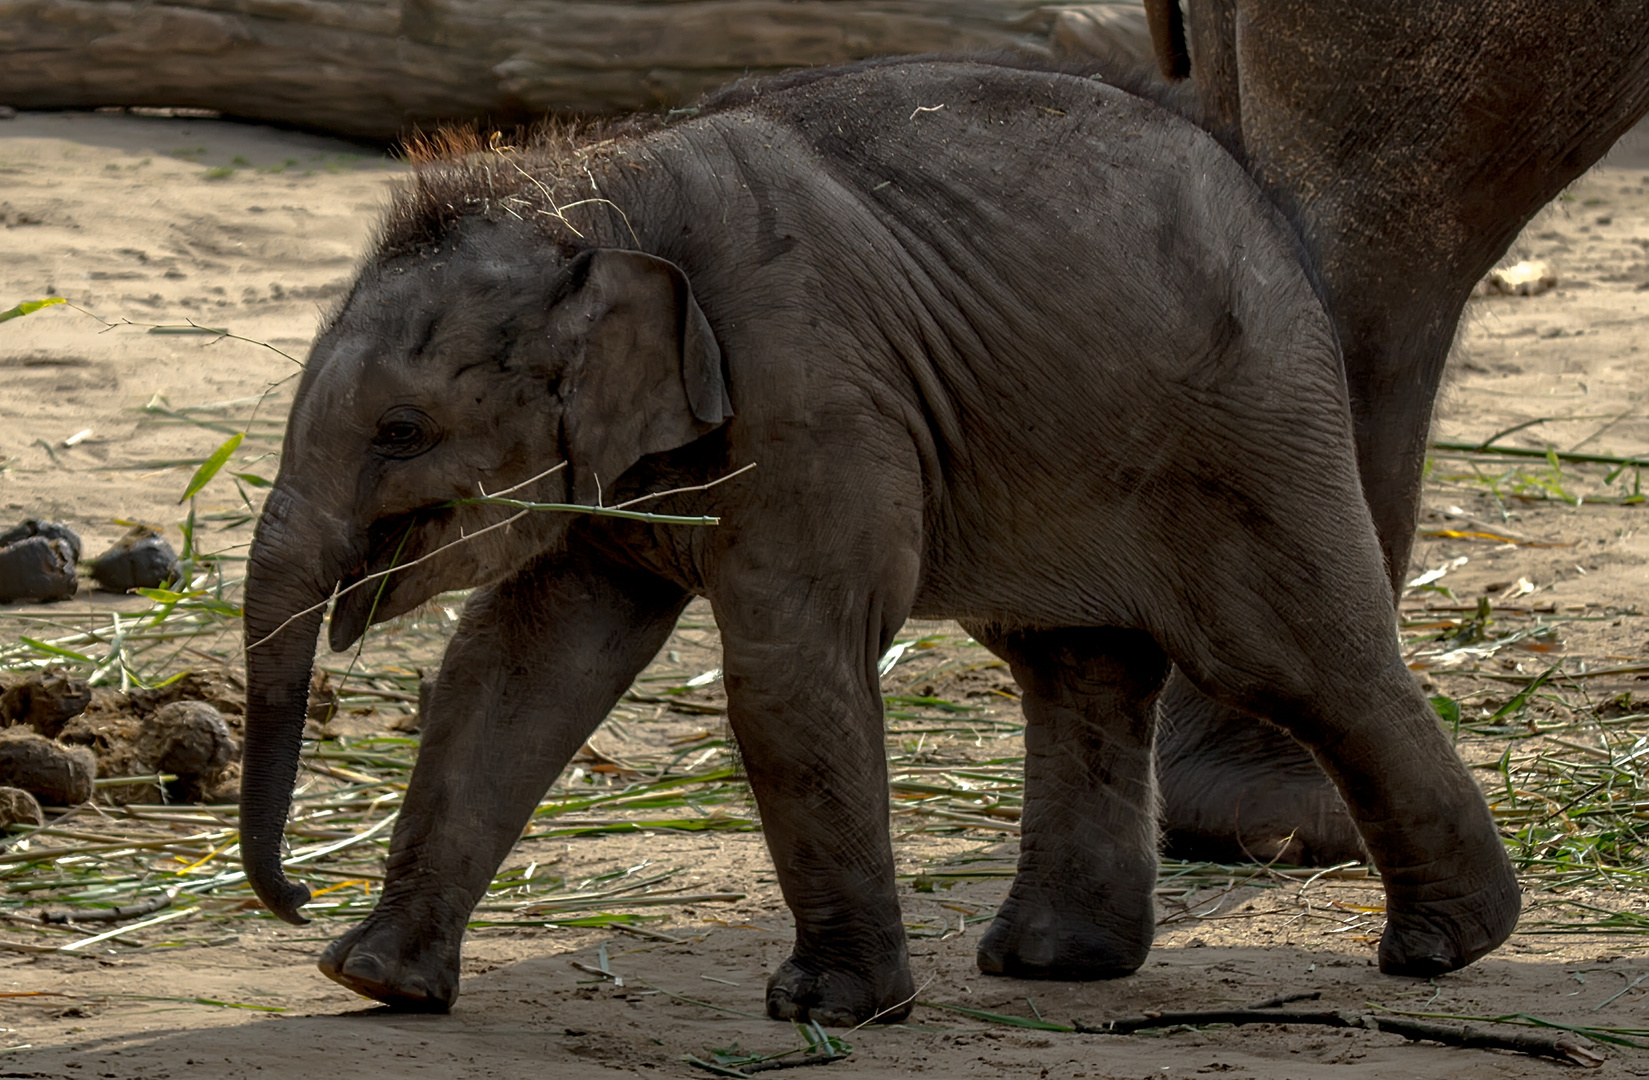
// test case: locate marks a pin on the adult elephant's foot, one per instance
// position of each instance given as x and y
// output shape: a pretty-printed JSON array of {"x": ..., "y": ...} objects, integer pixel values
[
  {"x": 1030, "y": 940},
  {"x": 1236, "y": 789},
  {"x": 838, "y": 998},
  {"x": 379, "y": 960}
]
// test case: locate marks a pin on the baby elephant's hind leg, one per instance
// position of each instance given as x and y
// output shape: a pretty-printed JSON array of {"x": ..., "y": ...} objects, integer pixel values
[
  {"x": 1081, "y": 904},
  {"x": 1451, "y": 895}
]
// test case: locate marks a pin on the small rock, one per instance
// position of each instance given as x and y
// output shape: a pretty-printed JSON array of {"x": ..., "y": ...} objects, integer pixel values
[
  {"x": 138, "y": 560},
  {"x": 37, "y": 568},
  {"x": 188, "y": 738},
  {"x": 18, "y": 807},
  {"x": 55, "y": 774},
  {"x": 51, "y": 530},
  {"x": 7, "y": 112},
  {"x": 45, "y": 701}
]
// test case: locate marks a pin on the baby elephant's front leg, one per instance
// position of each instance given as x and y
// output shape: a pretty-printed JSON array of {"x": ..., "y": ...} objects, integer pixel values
[
  {"x": 535, "y": 666},
  {"x": 809, "y": 723}
]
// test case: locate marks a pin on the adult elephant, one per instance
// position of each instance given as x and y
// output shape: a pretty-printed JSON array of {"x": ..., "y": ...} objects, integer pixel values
[{"x": 1409, "y": 141}]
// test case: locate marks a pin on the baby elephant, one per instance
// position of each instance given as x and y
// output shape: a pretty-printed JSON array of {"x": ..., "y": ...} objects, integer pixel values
[{"x": 1006, "y": 346}]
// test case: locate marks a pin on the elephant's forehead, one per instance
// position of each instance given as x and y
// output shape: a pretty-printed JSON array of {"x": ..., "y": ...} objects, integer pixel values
[
  {"x": 402, "y": 309},
  {"x": 400, "y": 300},
  {"x": 338, "y": 397},
  {"x": 401, "y": 326},
  {"x": 357, "y": 373}
]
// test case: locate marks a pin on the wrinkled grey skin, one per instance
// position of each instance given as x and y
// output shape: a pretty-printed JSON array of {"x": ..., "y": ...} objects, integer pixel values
[
  {"x": 1100, "y": 418},
  {"x": 1408, "y": 141}
]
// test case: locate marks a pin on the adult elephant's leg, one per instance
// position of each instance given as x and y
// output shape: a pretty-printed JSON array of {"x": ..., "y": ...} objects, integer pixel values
[
  {"x": 535, "y": 666},
  {"x": 1081, "y": 906},
  {"x": 1236, "y": 788},
  {"x": 804, "y": 698}
]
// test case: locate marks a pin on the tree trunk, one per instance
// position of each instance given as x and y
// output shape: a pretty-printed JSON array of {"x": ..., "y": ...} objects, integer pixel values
[{"x": 376, "y": 68}]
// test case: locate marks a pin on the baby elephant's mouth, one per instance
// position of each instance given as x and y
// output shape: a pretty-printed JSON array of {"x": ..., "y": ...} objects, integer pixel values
[{"x": 374, "y": 590}]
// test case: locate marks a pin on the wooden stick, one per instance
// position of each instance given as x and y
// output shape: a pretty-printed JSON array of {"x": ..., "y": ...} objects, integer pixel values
[
  {"x": 1562, "y": 1046},
  {"x": 791, "y": 1063},
  {"x": 763, "y": 1066},
  {"x": 1286, "y": 999},
  {"x": 114, "y": 914},
  {"x": 107, "y": 934},
  {"x": 1130, "y": 1024}
]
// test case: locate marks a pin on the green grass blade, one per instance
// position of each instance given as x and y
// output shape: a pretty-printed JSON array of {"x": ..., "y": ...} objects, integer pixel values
[
  {"x": 1512, "y": 707},
  {"x": 29, "y": 307},
  {"x": 209, "y": 468},
  {"x": 191, "y": 328},
  {"x": 53, "y": 650}
]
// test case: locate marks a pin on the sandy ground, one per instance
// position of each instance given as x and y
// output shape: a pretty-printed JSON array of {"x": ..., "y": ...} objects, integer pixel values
[{"x": 166, "y": 221}]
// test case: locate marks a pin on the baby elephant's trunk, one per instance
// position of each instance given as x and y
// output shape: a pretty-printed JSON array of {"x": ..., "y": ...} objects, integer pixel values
[{"x": 289, "y": 577}]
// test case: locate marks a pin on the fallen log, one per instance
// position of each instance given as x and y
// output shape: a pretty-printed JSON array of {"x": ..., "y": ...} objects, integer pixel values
[{"x": 377, "y": 68}]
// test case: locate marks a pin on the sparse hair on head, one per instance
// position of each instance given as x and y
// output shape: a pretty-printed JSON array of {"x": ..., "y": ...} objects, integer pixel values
[{"x": 528, "y": 173}]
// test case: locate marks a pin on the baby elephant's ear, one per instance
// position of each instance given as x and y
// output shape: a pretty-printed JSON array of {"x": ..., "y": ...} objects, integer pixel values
[{"x": 650, "y": 376}]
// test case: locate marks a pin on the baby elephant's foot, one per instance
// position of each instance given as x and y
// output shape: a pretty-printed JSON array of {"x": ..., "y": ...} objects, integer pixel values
[
  {"x": 1037, "y": 941},
  {"x": 836, "y": 998},
  {"x": 1429, "y": 937},
  {"x": 379, "y": 962}
]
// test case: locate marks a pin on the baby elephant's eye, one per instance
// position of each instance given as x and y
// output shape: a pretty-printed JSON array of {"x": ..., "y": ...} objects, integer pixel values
[{"x": 405, "y": 432}]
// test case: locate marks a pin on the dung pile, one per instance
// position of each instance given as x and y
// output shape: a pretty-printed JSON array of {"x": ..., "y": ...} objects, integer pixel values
[
  {"x": 60, "y": 735},
  {"x": 44, "y": 702},
  {"x": 39, "y": 561},
  {"x": 53, "y": 773},
  {"x": 138, "y": 560}
]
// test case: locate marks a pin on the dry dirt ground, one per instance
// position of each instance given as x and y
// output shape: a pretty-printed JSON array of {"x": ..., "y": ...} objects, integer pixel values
[{"x": 166, "y": 220}]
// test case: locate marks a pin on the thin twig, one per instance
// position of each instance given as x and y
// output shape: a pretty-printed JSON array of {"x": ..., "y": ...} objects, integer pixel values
[
  {"x": 1542, "y": 455},
  {"x": 559, "y": 212},
  {"x": 1633, "y": 985},
  {"x": 1286, "y": 999},
  {"x": 792, "y": 1063},
  {"x": 1202, "y": 1017},
  {"x": 742, "y": 469},
  {"x": 311, "y": 609},
  {"x": 526, "y": 508},
  {"x": 551, "y": 471},
  {"x": 114, "y": 914}
]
